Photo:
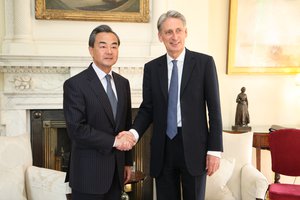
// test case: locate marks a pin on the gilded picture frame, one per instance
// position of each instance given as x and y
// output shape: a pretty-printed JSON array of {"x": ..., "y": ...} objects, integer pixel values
[
  {"x": 93, "y": 10},
  {"x": 263, "y": 37}
]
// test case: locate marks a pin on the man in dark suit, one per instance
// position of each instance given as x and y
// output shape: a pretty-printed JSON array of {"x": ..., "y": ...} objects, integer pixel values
[
  {"x": 194, "y": 152},
  {"x": 96, "y": 108}
]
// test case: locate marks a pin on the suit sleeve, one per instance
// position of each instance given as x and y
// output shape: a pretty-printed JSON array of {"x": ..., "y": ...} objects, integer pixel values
[
  {"x": 214, "y": 107},
  {"x": 145, "y": 113}
]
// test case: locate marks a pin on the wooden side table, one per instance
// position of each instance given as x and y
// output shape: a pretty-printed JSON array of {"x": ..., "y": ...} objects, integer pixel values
[
  {"x": 260, "y": 141},
  {"x": 136, "y": 176}
]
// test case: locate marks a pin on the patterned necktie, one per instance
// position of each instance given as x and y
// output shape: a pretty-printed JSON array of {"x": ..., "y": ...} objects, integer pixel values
[
  {"x": 172, "y": 103},
  {"x": 111, "y": 95}
]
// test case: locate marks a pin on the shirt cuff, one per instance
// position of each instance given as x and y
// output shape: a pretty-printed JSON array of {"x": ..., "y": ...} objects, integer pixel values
[
  {"x": 214, "y": 153},
  {"x": 114, "y": 143},
  {"x": 135, "y": 134}
]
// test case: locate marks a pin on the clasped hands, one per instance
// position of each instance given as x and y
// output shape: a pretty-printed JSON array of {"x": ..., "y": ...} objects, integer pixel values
[{"x": 125, "y": 140}]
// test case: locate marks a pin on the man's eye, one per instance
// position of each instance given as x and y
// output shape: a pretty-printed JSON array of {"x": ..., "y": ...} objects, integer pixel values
[
  {"x": 168, "y": 32},
  {"x": 178, "y": 31}
]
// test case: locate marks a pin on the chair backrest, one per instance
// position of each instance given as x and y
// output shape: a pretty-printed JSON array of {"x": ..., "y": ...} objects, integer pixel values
[
  {"x": 15, "y": 151},
  {"x": 239, "y": 147},
  {"x": 285, "y": 148}
]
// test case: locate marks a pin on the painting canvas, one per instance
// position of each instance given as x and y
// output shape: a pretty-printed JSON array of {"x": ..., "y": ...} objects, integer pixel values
[
  {"x": 264, "y": 37},
  {"x": 100, "y": 10}
]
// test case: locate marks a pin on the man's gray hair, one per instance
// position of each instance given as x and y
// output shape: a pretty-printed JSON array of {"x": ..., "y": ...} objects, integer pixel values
[{"x": 170, "y": 14}]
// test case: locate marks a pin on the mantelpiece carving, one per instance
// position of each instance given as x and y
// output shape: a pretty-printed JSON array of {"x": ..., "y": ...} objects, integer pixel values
[{"x": 22, "y": 82}]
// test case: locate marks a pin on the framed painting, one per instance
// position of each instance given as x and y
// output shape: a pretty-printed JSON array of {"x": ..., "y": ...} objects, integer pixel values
[
  {"x": 93, "y": 10},
  {"x": 264, "y": 37}
]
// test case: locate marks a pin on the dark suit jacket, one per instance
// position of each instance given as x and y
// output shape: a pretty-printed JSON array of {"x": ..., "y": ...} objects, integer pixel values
[
  {"x": 199, "y": 91},
  {"x": 92, "y": 130}
]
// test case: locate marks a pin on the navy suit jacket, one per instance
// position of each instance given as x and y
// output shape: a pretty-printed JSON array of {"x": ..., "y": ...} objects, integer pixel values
[
  {"x": 92, "y": 130},
  {"x": 199, "y": 96}
]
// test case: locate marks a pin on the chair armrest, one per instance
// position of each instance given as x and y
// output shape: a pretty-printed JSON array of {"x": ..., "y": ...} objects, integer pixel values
[
  {"x": 46, "y": 184},
  {"x": 254, "y": 184}
]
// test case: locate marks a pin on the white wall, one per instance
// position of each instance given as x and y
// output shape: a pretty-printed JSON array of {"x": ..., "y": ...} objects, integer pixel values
[
  {"x": 272, "y": 99},
  {"x": 1, "y": 22},
  {"x": 1, "y": 39}
]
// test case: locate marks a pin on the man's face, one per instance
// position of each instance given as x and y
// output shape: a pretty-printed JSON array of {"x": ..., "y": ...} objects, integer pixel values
[
  {"x": 105, "y": 51},
  {"x": 173, "y": 35}
]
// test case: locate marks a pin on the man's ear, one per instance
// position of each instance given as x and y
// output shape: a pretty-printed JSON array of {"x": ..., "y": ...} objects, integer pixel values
[
  {"x": 186, "y": 32},
  {"x": 91, "y": 51},
  {"x": 159, "y": 36}
]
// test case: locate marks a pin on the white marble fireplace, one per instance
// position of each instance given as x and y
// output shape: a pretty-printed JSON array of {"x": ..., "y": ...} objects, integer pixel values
[{"x": 36, "y": 82}]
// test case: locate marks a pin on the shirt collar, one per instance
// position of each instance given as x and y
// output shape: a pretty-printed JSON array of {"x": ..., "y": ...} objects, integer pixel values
[
  {"x": 180, "y": 57},
  {"x": 101, "y": 74}
]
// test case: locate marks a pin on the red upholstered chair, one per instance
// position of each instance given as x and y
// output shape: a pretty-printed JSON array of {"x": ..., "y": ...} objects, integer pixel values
[{"x": 285, "y": 155}]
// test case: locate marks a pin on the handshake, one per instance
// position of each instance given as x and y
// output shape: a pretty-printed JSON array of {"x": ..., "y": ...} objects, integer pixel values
[{"x": 124, "y": 141}]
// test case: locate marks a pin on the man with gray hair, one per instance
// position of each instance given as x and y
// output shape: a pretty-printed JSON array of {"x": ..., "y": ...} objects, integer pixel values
[{"x": 179, "y": 89}]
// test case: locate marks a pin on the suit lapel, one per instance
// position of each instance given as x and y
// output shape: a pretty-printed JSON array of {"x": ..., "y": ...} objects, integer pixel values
[
  {"x": 97, "y": 87},
  {"x": 163, "y": 76},
  {"x": 188, "y": 67}
]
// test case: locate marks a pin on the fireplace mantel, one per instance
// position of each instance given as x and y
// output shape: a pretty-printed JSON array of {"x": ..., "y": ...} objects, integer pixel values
[{"x": 36, "y": 82}]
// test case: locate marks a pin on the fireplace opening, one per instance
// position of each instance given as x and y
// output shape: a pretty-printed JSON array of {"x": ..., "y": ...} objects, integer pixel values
[
  {"x": 51, "y": 148},
  {"x": 56, "y": 145},
  {"x": 49, "y": 139}
]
